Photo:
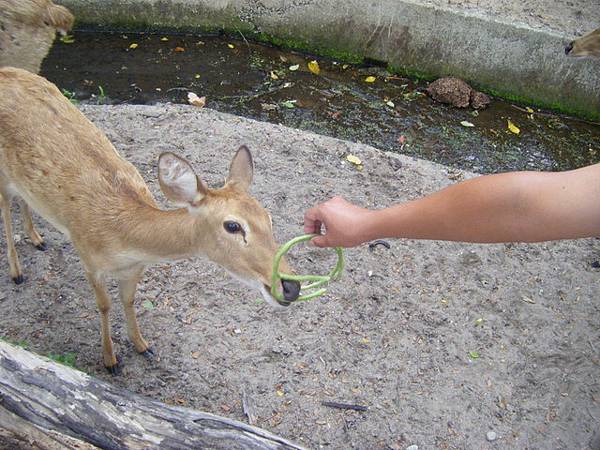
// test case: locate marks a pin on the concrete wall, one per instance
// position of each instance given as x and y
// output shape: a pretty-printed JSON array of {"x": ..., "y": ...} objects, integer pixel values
[{"x": 509, "y": 60}]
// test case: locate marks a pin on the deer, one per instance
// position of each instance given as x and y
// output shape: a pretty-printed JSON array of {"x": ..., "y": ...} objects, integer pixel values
[
  {"x": 587, "y": 45},
  {"x": 28, "y": 29},
  {"x": 55, "y": 161}
]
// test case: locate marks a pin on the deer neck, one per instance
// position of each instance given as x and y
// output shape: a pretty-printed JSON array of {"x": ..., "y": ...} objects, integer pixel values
[{"x": 156, "y": 235}]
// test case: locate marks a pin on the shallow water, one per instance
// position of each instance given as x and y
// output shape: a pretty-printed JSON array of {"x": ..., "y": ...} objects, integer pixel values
[{"x": 257, "y": 81}]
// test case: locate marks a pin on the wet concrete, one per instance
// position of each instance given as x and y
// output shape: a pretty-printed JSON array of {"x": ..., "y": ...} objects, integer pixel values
[{"x": 243, "y": 78}]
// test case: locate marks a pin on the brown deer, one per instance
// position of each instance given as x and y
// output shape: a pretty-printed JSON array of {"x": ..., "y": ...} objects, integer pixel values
[
  {"x": 587, "y": 45},
  {"x": 58, "y": 163},
  {"x": 27, "y": 30}
]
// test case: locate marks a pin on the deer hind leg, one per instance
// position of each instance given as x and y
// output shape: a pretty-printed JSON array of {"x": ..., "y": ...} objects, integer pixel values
[
  {"x": 127, "y": 288},
  {"x": 13, "y": 259},
  {"x": 104, "y": 304},
  {"x": 35, "y": 237}
]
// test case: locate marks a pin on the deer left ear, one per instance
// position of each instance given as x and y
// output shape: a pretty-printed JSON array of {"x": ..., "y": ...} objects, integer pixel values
[
  {"x": 241, "y": 169},
  {"x": 178, "y": 181}
]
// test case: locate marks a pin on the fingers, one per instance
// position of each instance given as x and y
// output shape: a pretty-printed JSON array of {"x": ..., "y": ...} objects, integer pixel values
[{"x": 313, "y": 220}]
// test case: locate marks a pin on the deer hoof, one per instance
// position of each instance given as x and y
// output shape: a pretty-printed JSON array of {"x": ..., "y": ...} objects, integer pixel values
[
  {"x": 115, "y": 369},
  {"x": 148, "y": 353},
  {"x": 19, "y": 279},
  {"x": 42, "y": 247}
]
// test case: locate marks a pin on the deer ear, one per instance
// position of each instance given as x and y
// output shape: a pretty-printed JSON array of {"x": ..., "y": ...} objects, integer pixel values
[
  {"x": 241, "y": 168},
  {"x": 178, "y": 181}
]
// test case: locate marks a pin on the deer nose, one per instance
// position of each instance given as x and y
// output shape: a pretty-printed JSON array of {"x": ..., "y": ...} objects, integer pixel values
[
  {"x": 568, "y": 48},
  {"x": 291, "y": 290}
]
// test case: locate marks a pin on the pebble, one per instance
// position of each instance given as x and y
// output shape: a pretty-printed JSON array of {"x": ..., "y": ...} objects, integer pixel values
[
  {"x": 491, "y": 436},
  {"x": 412, "y": 447}
]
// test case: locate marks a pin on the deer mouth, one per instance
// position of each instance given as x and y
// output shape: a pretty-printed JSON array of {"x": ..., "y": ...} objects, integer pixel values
[{"x": 290, "y": 289}]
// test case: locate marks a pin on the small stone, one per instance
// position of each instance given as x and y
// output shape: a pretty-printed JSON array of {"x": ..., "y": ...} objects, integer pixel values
[
  {"x": 412, "y": 447},
  {"x": 491, "y": 436}
]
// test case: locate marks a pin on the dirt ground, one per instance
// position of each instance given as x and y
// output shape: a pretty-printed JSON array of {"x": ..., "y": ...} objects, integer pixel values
[{"x": 443, "y": 342}]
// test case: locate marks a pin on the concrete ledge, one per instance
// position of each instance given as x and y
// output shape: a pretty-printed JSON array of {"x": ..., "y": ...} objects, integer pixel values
[{"x": 512, "y": 61}]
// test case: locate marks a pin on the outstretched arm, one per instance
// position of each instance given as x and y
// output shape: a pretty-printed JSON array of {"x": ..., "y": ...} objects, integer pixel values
[{"x": 509, "y": 207}]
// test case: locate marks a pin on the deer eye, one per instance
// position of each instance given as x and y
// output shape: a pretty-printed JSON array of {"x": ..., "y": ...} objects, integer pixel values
[{"x": 232, "y": 227}]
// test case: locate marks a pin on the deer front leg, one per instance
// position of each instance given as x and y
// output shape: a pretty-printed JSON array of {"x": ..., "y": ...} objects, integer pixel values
[
  {"x": 104, "y": 303},
  {"x": 35, "y": 237},
  {"x": 13, "y": 259},
  {"x": 127, "y": 288}
]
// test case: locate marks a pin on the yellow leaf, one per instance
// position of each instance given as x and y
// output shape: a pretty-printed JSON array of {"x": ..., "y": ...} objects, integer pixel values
[
  {"x": 513, "y": 128},
  {"x": 529, "y": 110},
  {"x": 164, "y": 39},
  {"x": 274, "y": 76},
  {"x": 354, "y": 160},
  {"x": 230, "y": 45},
  {"x": 67, "y": 39},
  {"x": 313, "y": 66},
  {"x": 280, "y": 393},
  {"x": 370, "y": 79},
  {"x": 345, "y": 66},
  {"x": 193, "y": 99},
  {"x": 197, "y": 76},
  {"x": 133, "y": 45}
]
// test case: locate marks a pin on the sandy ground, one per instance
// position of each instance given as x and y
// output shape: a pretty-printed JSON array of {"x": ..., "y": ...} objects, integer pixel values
[
  {"x": 393, "y": 335},
  {"x": 568, "y": 17}
]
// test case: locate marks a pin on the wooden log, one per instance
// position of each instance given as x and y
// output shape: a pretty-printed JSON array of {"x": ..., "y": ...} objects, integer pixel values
[{"x": 47, "y": 405}]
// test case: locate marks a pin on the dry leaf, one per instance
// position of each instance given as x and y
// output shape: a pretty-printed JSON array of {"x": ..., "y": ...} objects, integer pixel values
[
  {"x": 529, "y": 110},
  {"x": 133, "y": 45},
  {"x": 513, "y": 128},
  {"x": 164, "y": 39},
  {"x": 354, "y": 160},
  {"x": 230, "y": 45},
  {"x": 274, "y": 76},
  {"x": 193, "y": 99},
  {"x": 313, "y": 66},
  {"x": 370, "y": 79},
  {"x": 280, "y": 393},
  {"x": 195, "y": 355},
  {"x": 464, "y": 123},
  {"x": 294, "y": 67},
  {"x": 390, "y": 103},
  {"x": 179, "y": 49}
]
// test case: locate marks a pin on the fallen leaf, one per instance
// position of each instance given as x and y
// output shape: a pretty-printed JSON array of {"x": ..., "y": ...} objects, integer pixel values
[
  {"x": 354, "y": 160},
  {"x": 513, "y": 128},
  {"x": 345, "y": 66},
  {"x": 67, "y": 39},
  {"x": 313, "y": 66},
  {"x": 197, "y": 76},
  {"x": 148, "y": 304},
  {"x": 193, "y": 99},
  {"x": 280, "y": 393},
  {"x": 230, "y": 45},
  {"x": 195, "y": 355},
  {"x": 179, "y": 49},
  {"x": 529, "y": 110},
  {"x": 528, "y": 300},
  {"x": 473, "y": 354},
  {"x": 464, "y": 123},
  {"x": 274, "y": 76},
  {"x": 268, "y": 106},
  {"x": 164, "y": 39},
  {"x": 390, "y": 103},
  {"x": 133, "y": 45},
  {"x": 282, "y": 58},
  {"x": 479, "y": 321},
  {"x": 290, "y": 104},
  {"x": 370, "y": 79},
  {"x": 294, "y": 67}
]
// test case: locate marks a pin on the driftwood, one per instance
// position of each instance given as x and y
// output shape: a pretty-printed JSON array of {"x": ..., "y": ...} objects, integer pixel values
[{"x": 45, "y": 405}]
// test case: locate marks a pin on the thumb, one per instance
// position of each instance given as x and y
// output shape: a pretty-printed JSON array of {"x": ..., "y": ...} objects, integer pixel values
[{"x": 320, "y": 241}]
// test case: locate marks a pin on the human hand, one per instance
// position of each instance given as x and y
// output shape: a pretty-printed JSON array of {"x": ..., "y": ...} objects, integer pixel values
[{"x": 342, "y": 223}]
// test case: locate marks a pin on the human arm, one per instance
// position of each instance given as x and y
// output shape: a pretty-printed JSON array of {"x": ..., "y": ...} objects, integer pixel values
[{"x": 509, "y": 207}]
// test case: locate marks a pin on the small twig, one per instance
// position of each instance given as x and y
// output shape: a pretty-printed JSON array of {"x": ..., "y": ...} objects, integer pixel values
[
  {"x": 374, "y": 244},
  {"x": 539, "y": 113},
  {"x": 344, "y": 406},
  {"x": 243, "y": 37}
]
